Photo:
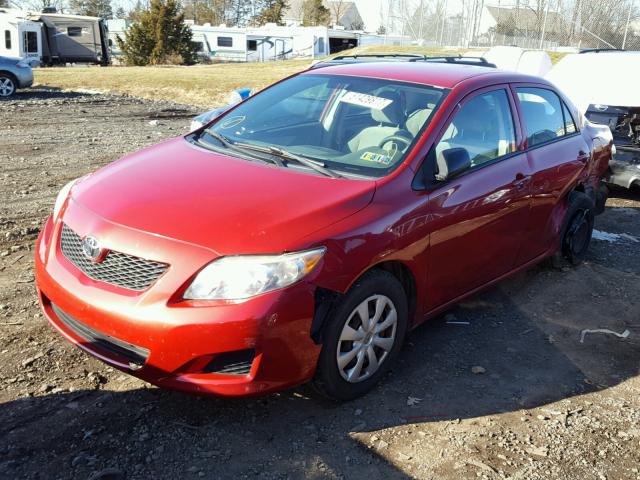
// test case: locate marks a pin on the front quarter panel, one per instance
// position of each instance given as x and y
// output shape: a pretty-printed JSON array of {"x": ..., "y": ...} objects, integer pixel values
[{"x": 394, "y": 227}]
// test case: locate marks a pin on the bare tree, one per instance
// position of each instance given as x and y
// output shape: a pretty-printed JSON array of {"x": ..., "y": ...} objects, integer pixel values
[{"x": 338, "y": 9}]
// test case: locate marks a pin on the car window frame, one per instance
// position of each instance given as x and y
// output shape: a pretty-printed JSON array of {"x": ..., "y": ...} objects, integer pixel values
[
  {"x": 525, "y": 139},
  {"x": 420, "y": 182}
]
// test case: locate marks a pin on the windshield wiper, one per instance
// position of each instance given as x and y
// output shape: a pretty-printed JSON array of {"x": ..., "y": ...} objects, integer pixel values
[
  {"x": 240, "y": 147},
  {"x": 307, "y": 162},
  {"x": 258, "y": 148},
  {"x": 279, "y": 152},
  {"x": 221, "y": 138}
]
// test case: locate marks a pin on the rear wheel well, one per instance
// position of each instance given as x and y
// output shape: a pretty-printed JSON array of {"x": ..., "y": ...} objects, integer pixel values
[{"x": 10, "y": 75}]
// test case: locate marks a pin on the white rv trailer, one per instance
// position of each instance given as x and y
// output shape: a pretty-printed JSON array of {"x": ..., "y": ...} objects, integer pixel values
[
  {"x": 20, "y": 37},
  {"x": 272, "y": 42},
  {"x": 221, "y": 43},
  {"x": 50, "y": 38},
  {"x": 117, "y": 27}
]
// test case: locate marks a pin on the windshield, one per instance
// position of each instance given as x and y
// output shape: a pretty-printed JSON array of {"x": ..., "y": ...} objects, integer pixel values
[{"x": 347, "y": 124}]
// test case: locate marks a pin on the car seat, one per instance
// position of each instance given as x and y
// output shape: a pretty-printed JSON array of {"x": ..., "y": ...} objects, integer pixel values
[{"x": 389, "y": 121}]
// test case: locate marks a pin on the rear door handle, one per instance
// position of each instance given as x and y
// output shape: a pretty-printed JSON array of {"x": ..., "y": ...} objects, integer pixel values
[{"x": 583, "y": 156}]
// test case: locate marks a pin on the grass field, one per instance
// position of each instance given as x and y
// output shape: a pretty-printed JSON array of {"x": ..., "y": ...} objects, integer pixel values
[{"x": 201, "y": 85}]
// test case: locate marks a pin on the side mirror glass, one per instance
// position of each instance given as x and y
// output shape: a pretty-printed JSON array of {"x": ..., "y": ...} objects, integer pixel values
[{"x": 452, "y": 162}]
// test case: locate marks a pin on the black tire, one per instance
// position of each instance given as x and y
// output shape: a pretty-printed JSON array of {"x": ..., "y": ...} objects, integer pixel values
[
  {"x": 577, "y": 229},
  {"x": 328, "y": 380},
  {"x": 8, "y": 85}
]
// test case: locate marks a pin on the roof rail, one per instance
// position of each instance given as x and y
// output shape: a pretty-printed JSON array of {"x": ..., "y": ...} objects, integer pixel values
[
  {"x": 596, "y": 50},
  {"x": 378, "y": 55},
  {"x": 458, "y": 60},
  {"x": 402, "y": 57}
]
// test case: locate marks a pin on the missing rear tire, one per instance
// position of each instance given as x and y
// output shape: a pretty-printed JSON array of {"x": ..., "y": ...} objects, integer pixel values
[{"x": 577, "y": 229}]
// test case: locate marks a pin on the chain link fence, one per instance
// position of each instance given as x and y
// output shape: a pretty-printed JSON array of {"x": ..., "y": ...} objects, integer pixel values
[{"x": 548, "y": 24}]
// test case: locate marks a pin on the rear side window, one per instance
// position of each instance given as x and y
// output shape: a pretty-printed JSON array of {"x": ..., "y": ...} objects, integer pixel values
[
  {"x": 544, "y": 117},
  {"x": 225, "y": 41},
  {"x": 569, "y": 124},
  {"x": 7, "y": 39},
  {"x": 483, "y": 126}
]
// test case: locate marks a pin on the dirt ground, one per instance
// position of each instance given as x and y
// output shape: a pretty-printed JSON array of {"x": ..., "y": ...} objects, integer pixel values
[{"x": 547, "y": 405}]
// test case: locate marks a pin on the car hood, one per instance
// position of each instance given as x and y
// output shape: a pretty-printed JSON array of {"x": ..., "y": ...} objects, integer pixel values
[{"x": 181, "y": 191}]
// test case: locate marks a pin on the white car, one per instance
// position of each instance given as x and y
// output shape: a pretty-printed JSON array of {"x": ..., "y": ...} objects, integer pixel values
[{"x": 603, "y": 84}]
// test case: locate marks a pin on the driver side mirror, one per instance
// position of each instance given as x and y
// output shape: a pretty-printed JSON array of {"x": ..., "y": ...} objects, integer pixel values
[{"x": 452, "y": 162}]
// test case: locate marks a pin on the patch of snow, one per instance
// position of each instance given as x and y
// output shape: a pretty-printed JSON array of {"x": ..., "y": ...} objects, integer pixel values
[{"x": 605, "y": 236}]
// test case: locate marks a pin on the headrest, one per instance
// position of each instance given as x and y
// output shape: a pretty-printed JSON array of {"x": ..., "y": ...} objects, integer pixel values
[
  {"x": 535, "y": 111},
  {"x": 392, "y": 113}
]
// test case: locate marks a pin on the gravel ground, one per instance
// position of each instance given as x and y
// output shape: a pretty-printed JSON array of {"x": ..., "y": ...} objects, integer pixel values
[{"x": 499, "y": 387}]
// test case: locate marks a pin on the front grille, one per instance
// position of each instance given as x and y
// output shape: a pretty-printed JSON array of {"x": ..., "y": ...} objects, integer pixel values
[
  {"x": 135, "y": 356},
  {"x": 117, "y": 268}
]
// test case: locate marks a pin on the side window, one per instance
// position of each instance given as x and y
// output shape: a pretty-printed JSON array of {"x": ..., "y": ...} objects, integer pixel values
[
  {"x": 252, "y": 45},
  {"x": 225, "y": 41},
  {"x": 7, "y": 39},
  {"x": 483, "y": 126},
  {"x": 74, "y": 31},
  {"x": 543, "y": 117},
  {"x": 569, "y": 125}
]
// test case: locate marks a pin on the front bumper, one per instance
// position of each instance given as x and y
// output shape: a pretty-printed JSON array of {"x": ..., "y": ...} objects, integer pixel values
[{"x": 176, "y": 341}]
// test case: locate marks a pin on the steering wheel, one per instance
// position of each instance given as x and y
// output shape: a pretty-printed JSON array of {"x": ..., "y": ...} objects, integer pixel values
[{"x": 395, "y": 138}]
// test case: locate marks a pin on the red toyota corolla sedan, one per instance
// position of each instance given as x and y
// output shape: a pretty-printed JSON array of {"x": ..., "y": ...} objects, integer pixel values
[{"x": 301, "y": 234}]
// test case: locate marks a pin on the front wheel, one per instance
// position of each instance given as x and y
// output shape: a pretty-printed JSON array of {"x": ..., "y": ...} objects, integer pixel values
[{"x": 363, "y": 338}]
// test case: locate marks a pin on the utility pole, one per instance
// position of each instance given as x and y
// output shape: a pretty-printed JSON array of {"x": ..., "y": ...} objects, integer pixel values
[
  {"x": 626, "y": 27},
  {"x": 544, "y": 24},
  {"x": 444, "y": 18}
]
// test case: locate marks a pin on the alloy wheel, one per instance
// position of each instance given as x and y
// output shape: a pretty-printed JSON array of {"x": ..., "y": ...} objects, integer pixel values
[
  {"x": 7, "y": 87},
  {"x": 367, "y": 338}
]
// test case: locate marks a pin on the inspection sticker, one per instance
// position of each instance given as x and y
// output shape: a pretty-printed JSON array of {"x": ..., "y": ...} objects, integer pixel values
[
  {"x": 364, "y": 100},
  {"x": 376, "y": 157},
  {"x": 232, "y": 122}
]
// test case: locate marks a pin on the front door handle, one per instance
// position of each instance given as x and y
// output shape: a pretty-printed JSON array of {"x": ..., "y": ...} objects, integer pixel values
[{"x": 520, "y": 181}]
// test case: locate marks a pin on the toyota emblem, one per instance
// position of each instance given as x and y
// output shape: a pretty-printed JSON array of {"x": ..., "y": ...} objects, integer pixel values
[{"x": 91, "y": 248}]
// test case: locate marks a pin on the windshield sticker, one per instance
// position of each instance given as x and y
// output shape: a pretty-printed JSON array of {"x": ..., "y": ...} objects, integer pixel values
[
  {"x": 376, "y": 157},
  {"x": 233, "y": 121},
  {"x": 364, "y": 100}
]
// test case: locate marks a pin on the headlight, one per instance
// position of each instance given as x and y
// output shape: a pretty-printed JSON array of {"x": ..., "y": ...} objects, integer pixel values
[
  {"x": 61, "y": 198},
  {"x": 241, "y": 277}
]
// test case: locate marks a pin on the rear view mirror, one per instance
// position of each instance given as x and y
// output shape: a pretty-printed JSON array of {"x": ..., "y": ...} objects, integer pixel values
[{"x": 452, "y": 162}]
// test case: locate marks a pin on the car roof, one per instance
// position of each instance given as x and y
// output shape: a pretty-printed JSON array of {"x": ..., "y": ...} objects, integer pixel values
[{"x": 443, "y": 75}]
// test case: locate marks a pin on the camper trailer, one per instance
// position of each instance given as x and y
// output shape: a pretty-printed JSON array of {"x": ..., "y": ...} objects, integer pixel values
[
  {"x": 221, "y": 43},
  {"x": 20, "y": 37},
  {"x": 116, "y": 28},
  {"x": 268, "y": 43},
  {"x": 73, "y": 39},
  {"x": 50, "y": 38}
]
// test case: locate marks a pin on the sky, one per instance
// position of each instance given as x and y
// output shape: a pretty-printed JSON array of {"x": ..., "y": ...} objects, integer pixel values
[{"x": 370, "y": 13}]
